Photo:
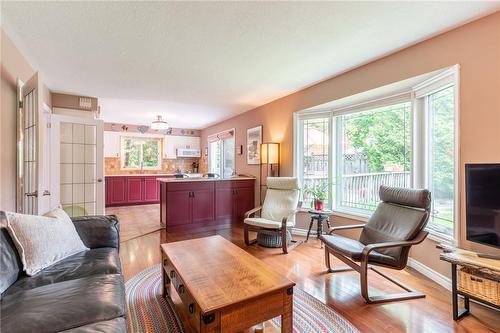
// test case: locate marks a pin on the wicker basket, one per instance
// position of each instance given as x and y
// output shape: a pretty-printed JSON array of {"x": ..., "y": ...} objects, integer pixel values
[{"x": 479, "y": 287}]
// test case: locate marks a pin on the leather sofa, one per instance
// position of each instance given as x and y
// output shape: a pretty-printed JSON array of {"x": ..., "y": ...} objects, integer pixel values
[{"x": 82, "y": 293}]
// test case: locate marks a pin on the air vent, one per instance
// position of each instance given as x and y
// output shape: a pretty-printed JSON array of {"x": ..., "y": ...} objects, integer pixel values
[{"x": 85, "y": 103}]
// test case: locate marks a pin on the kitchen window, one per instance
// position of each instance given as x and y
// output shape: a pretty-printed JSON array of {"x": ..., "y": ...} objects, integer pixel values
[
  {"x": 221, "y": 153},
  {"x": 406, "y": 139},
  {"x": 140, "y": 153}
]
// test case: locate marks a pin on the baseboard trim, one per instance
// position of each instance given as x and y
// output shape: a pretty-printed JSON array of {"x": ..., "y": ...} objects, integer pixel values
[
  {"x": 302, "y": 232},
  {"x": 430, "y": 273}
]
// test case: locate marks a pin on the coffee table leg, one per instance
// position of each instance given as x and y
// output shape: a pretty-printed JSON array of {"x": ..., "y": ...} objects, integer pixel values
[
  {"x": 287, "y": 316},
  {"x": 165, "y": 281}
]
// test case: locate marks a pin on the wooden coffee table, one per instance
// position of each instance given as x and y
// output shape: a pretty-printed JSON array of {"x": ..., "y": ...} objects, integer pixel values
[{"x": 223, "y": 288}]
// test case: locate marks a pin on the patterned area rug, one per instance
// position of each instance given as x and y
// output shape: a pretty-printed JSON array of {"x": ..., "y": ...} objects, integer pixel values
[{"x": 148, "y": 311}]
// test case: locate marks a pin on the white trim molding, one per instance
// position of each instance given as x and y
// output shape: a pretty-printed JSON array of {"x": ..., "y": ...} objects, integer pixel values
[{"x": 430, "y": 273}]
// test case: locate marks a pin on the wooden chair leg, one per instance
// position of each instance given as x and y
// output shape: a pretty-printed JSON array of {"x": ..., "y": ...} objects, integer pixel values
[
  {"x": 363, "y": 280},
  {"x": 284, "y": 243},
  {"x": 327, "y": 260},
  {"x": 246, "y": 236}
]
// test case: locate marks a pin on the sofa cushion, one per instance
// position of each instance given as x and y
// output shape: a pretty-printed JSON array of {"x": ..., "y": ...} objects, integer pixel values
[
  {"x": 83, "y": 264},
  {"x": 43, "y": 240},
  {"x": 117, "y": 325},
  {"x": 64, "y": 305}
]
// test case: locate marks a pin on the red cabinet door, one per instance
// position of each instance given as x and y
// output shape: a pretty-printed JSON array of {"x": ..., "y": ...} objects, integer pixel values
[
  {"x": 107, "y": 191},
  {"x": 224, "y": 203},
  {"x": 202, "y": 205},
  {"x": 134, "y": 189},
  {"x": 117, "y": 190},
  {"x": 151, "y": 189},
  {"x": 178, "y": 207},
  {"x": 245, "y": 200}
]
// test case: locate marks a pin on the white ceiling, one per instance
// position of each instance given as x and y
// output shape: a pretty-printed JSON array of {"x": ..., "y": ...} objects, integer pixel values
[{"x": 200, "y": 62}]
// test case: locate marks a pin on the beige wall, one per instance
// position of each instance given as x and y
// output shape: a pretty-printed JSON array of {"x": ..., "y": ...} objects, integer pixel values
[
  {"x": 13, "y": 66},
  {"x": 475, "y": 47}
]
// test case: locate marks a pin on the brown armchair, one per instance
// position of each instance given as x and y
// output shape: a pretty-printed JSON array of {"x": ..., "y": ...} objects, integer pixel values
[{"x": 397, "y": 224}]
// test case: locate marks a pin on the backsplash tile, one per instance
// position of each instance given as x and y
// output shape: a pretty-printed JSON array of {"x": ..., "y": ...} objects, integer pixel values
[{"x": 112, "y": 166}]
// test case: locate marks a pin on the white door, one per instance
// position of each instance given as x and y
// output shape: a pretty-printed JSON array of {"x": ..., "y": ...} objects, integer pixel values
[
  {"x": 33, "y": 184},
  {"x": 78, "y": 164}
]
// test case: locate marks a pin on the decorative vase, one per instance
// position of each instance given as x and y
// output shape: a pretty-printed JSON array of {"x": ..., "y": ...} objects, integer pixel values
[{"x": 318, "y": 204}]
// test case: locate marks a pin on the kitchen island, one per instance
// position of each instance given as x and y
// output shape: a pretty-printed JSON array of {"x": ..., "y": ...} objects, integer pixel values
[{"x": 195, "y": 202}]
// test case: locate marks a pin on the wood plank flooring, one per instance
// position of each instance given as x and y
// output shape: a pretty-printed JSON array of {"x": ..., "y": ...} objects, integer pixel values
[
  {"x": 305, "y": 266},
  {"x": 136, "y": 221}
]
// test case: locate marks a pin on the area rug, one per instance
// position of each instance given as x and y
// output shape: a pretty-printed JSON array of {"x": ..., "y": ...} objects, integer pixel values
[{"x": 148, "y": 311}]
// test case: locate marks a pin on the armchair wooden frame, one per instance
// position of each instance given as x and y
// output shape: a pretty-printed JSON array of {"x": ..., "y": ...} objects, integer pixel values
[
  {"x": 278, "y": 232},
  {"x": 363, "y": 266}
]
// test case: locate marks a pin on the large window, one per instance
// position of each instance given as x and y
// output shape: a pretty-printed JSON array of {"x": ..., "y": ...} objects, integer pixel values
[
  {"x": 405, "y": 140},
  {"x": 221, "y": 151},
  {"x": 375, "y": 149},
  {"x": 140, "y": 153}
]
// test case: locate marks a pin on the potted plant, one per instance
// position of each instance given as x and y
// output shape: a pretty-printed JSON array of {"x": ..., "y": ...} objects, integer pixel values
[{"x": 319, "y": 194}]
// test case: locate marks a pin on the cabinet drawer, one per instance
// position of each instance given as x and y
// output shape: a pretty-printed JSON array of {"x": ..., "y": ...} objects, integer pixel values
[{"x": 235, "y": 183}]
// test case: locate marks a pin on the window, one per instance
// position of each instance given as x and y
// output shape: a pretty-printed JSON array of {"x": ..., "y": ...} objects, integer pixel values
[
  {"x": 440, "y": 111},
  {"x": 221, "y": 151},
  {"x": 140, "y": 153},
  {"x": 375, "y": 150},
  {"x": 405, "y": 140}
]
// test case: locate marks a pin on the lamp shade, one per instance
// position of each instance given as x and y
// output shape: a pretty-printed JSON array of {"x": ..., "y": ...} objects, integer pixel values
[{"x": 270, "y": 153}]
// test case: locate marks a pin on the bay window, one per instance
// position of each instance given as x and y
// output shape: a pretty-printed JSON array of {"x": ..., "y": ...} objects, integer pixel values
[{"x": 405, "y": 140}]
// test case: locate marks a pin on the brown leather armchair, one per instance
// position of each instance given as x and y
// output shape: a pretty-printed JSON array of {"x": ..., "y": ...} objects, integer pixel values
[{"x": 397, "y": 224}]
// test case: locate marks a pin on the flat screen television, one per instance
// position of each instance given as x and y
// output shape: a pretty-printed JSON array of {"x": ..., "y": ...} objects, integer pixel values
[{"x": 482, "y": 187}]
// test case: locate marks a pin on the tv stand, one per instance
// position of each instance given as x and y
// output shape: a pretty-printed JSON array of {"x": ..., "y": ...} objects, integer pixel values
[{"x": 477, "y": 279}]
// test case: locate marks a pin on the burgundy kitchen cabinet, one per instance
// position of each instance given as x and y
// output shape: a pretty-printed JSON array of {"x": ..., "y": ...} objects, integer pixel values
[
  {"x": 194, "y": 203},
  {"x": 151, "y": 190},
  {"x": 117, "y": 189},
  {"x": 132, "y": 190},
  {"x": 234, "y": 198},
  {"x": 135, "y": 190}
]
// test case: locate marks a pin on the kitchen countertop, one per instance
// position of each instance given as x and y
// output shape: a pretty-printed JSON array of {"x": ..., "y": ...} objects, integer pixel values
[
  {"x": 180, "y": 180},
  {"x": 144, "y": 174}
]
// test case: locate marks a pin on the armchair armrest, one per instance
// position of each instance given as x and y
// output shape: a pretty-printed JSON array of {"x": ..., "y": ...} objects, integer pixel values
[
  {"x": 345, "y": 227},
  {"x": 417, "y": 240},
  {"x": 285, "y": 219},
  {"x": 252, "y": 212},
  {"x": 98, "y": 231}
]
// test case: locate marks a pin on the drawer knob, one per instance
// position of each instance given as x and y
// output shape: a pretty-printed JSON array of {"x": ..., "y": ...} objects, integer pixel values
[
  {"x": 181, "y": 288},
  {"x": 191, "y": 308},
  {"x": 172, "y": 274}
]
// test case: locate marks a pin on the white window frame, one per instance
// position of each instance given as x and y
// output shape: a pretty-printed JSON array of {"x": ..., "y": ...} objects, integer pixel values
[
  {"x": 221, "y": 171},
  {"x": 143, "y": 139},
  {"x": 449, "y": 76}
]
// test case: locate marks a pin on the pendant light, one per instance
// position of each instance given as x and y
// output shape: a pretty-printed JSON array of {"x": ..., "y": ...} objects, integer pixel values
[{"x": 159, "y": 124}]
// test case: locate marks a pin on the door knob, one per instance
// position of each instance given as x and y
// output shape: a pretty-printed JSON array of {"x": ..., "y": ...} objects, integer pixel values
[
  {"x": 32, "y": 194},
  {"x": 99, "y": 180}
]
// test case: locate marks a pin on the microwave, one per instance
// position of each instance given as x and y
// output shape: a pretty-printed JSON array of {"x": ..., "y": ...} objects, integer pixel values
[{"x": 188, "y": 153}]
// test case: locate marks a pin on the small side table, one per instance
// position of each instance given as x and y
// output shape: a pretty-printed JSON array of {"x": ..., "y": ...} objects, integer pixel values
[
  {"x": 319, "y": 216},
  {"x": 479, "y": 270}
]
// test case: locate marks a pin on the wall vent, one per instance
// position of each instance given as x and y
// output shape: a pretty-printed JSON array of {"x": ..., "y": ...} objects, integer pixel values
[{"x": 85, "y": 102}]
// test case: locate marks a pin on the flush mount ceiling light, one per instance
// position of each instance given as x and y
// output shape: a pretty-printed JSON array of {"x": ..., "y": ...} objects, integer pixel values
[{"x": 159, "y": 124}]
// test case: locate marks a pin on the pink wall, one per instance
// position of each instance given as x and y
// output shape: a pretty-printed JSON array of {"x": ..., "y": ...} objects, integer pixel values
[
  {"x": 13, "y": 66},
  {"x": 475, "y": 46}
]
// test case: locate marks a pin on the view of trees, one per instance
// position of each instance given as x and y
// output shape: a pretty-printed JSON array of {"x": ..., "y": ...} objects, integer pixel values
[
  {"x": 383, "y": 135},
  {"x": 138, "y": 150}
]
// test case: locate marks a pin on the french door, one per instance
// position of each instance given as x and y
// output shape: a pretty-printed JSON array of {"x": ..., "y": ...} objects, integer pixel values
[{"x": 78, "y": 170}]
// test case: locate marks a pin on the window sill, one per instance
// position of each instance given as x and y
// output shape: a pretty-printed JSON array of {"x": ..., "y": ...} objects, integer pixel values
[{"x": 440, "y": 237}]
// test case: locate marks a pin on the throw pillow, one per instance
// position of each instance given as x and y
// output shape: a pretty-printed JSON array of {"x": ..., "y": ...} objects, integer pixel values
[{"x": 43, "y": 240}]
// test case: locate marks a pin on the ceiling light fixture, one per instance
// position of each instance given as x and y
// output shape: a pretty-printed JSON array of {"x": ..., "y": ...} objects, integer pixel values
[{"x": 159, "y": 124}]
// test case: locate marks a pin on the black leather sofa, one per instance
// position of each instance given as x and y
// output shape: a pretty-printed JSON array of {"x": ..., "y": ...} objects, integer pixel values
[{"x": 82, "y": 293}]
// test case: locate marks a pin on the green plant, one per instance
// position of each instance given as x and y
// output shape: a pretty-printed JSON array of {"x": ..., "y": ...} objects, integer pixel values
[{"x": 318, "y": 191}]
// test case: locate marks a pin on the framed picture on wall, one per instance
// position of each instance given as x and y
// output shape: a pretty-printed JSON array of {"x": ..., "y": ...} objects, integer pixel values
[{"x": 254, "y": 139}]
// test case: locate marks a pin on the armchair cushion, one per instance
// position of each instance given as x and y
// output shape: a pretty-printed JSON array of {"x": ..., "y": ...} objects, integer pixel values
[
  {"x": 264, "y": 223},
  {"x": 281, "y": 200},
  {"x": 352, "y": 248}
]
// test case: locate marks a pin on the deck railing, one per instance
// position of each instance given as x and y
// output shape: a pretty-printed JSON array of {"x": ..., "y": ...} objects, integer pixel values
[{"x": 361, "y": 190}]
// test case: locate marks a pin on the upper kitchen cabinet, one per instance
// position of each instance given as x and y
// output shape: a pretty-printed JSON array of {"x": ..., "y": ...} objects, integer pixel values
[
  {"x": 111, "y": 144},
  {"x": 175, "y": 143}
]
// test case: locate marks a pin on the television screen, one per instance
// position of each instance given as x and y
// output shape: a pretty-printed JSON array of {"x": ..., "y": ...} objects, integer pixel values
[{"x": 482, "y": 186}]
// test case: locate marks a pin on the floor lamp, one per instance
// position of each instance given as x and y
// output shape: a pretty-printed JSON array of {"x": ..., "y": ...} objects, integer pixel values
[{"x": 269, "y": 163}]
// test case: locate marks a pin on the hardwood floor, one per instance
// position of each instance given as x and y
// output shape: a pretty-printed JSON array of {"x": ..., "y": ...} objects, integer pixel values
[
  {"x": 137, "y": 220},
  {"x": 305, "y": 266}
]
